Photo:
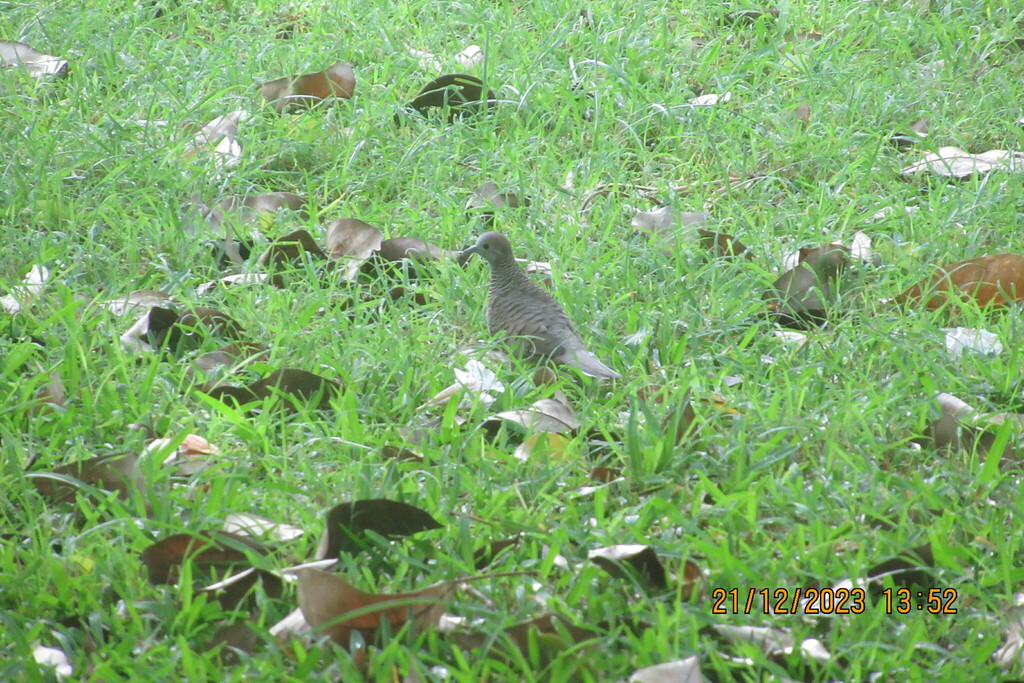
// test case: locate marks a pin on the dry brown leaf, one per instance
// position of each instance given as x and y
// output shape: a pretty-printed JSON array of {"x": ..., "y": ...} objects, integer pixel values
[
  {"x": 237, "y": 280},
  {"x": 641, "y": 559},
  {"x": 292, "y": 385},
  {"x": 230, "y": 355},
  {"x": 216, "y": 550},
  {"x": 347, "y": 524},
  {"x": 333, "y": 606},
  {"x": 546, "y": 415},
  {"x": 953, "y": 162},
  {"x": 681, "y": 671},
  {"x": 218, "y": 138},
  {"x": 994, "y": 280},
  {"x": 118, "y": 473},
  {"x": 458, "y": 94},
  {"x": 353, "y": 240},
  {"x": 190, "y": 457},
  {"x": 254, "y": 525},
  {"x": 486, "y": 198},
  {"x": 141, "y": 298},
  {"x": 294, "y": 93},
  {"x": 24, "y": 294},
  {"x": 674, "y": 230},
  {"x": 37, "y": 64},
  {"x": 250, "y": 208}
]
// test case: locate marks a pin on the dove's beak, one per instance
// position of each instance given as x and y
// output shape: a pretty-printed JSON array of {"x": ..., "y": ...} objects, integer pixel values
[{"x": 465, "y": 254}]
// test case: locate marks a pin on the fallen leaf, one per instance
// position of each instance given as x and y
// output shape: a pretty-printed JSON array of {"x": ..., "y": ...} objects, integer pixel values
[
  {"x": 117, "y": 473},
  {"x": 485, "y": 556},
  {"x": 544, "y": 446},
  {"x": 218, "y": 139},
  {"x": 354, "y": 240},
  {"x": 335, "y": 607},
  {"x": 141, "y": 298},
  {"x": 641, "y": 560},
  {"x": 674, "y": 230},
  {"x": 993, "y": 280},
  {"x": 459, "y": 95},
  {"x": 233, "y": 281},
  {"x": 347, "y": 524},
  {"x": 1011, "y": 654},
  {"x": 37, "y": 64},
  {"x": 190, "y": 457},
  {"x": 217, "y": 550},
  {"x": 53, "y": 659},
  {"x": 254, "y": 525},
  {"x": 960, "y": 339},
  {"x": 251, "y": 208},
  {"x": 681, "y": 671},
  {"x": 915, "y": 134},
  {"x": 802, "y": 294},
  {"x": 293, "y": 385},
  {"x": 545, "y": 415},
  {"x": 953, "y": 162},
  {"x": 294, "y": 93},
  {"x": 230, "y": 355},
  {"x": 468, "y": 58},
  {"x": 710, "y": 99},
  {"x": 24, "y": 294},
  {"x": 486, "y": 198}
]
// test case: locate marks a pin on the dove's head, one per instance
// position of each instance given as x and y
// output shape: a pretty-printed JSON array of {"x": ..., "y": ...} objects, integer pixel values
[{"x": 492, "y": 247}]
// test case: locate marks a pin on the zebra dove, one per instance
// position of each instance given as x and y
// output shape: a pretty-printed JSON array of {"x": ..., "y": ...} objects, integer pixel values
[{"x": 529, "y": 315}]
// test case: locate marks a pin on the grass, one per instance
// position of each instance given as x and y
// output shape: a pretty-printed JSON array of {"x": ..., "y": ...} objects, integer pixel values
[{"x": 809, "y": 480}]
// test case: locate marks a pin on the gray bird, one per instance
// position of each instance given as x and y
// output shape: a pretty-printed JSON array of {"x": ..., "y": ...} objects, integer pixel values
[{"x": 531, "y": 319}]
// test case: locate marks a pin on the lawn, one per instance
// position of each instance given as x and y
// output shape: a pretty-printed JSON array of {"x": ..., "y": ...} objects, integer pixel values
[{"x": 731, "y": 454}]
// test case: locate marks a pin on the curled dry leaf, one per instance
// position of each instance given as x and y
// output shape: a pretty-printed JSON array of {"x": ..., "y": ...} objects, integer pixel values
[
  {"x": 141, "y": 298},
  {"x": 801, "y": 295},
  {"x": 953, "y": 162},
  {"x": 190, "y": 457},
  {"x": 1011, "y": 654},
  {"x": 681, "y": 671},
  {"x": 459, "y": 95},
  {"x": 293, "y": 385},
  {"x": 960, "y": 339},
  {"x": 217, "y": 550},
  {"x": 547, "y": 446},
  {"x": 775, "y": 641},
  {"x": 710, "y": 99},
  {"x": 248, "y": 209},
  {"x": 37, "y": 64},
  {"x": 674, "y": 230},
  {"x": 347, "y": 524},
  {"x": 485, "y": 556},
  {"x": 994, "y": 280},
  {"x": 219, "y": 139},
  {"x": 24, "y": 294},
  {"x": 53, "y": 659},
  {"x": 294, "y": 93},
  {"x": 486, "y": 198},
  {"x": 353, "y": 240},
  {"x": 916, "y": 133},
  {"x": 397, "y": 252},
  {"x": 466, "y": 59},
  {"x": 333, "y": 606},
  {"x": 641, "y": 560},
  {"x": 545, "y": 632},
  {"x": 546, "y": 415},
  {"x": 231, "y": 355},
  {"x": 237, "y": 280},
  {"x": 288, "y": 250},
  {"x": 244, "y": 524},
  {"x": 118, "y": 473}
]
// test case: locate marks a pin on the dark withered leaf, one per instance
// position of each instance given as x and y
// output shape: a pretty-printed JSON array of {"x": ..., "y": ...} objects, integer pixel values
[{"x": 348, "y": 523}]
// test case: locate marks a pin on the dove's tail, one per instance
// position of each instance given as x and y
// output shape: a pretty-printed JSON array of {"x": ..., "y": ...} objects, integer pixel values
[{"x": 588, "y": 364}]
